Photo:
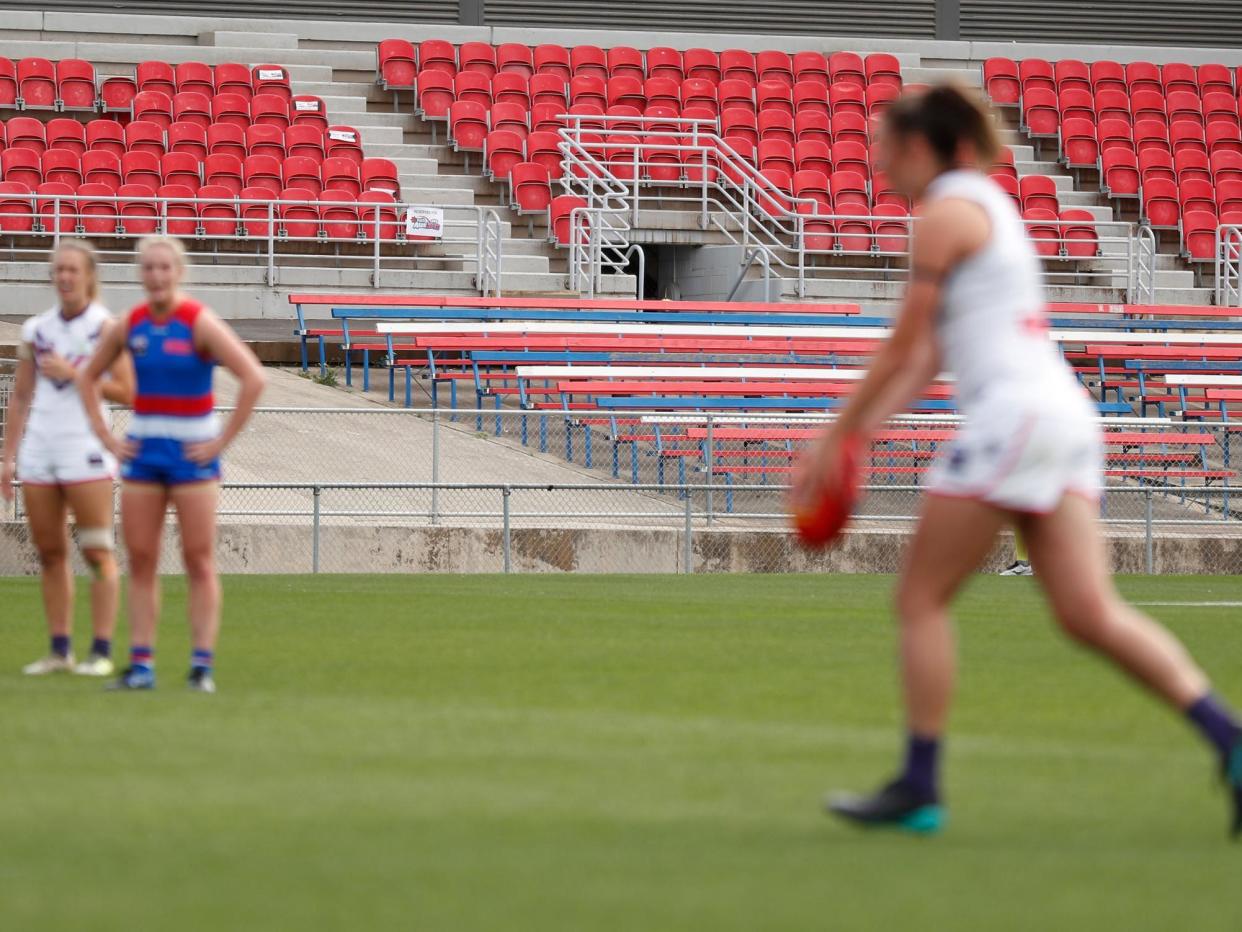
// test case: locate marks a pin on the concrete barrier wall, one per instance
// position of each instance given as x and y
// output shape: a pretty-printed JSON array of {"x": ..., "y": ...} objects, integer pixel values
[{"x": 263, "y": 548}]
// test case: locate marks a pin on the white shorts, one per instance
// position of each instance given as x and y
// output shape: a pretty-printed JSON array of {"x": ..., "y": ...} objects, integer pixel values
[
  {"x": 1022, "y": 458},
  {"x": 63, "y": 460}
]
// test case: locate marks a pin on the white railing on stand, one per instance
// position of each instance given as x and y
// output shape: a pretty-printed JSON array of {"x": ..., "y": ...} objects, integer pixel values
[{"x": 1229, "y": 266}]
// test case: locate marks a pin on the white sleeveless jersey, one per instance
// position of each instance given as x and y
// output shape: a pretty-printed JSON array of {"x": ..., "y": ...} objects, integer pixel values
[
  {"x": 991, "y": 324},
  {"x": 56, "y": 411}
]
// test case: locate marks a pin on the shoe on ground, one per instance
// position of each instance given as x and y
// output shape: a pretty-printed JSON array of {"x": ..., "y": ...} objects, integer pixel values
[
  {"x": 200, "y": 681},
  {"x": 132, "y": 678},
  {"x": 52, "y": 663},
  {"x": 1018, "y": 568},
  {"x": 95, "y": 665},
  {"x": 894, "y": 806}
]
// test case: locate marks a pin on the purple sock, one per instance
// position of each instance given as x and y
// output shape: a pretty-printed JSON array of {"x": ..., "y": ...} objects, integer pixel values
[
  {"x": 60, "y": 645},
  {"x": 922, "y": 756},
  {"x": 1217, "y": 721}
]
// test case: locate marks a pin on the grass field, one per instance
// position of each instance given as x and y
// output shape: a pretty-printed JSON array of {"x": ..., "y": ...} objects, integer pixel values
[{"x": 587, "y": 753}]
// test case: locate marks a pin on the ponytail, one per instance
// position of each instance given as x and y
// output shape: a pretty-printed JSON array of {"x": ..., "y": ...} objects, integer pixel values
[{"x": 946, "y": 115}]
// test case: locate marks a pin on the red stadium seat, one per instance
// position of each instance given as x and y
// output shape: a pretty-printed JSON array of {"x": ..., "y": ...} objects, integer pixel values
[
  {"x": 848, "y": 68},
  {"x": 503, "y": 149},
  {"x": 1199, "y": 236},
  {"x": 195, "y": 77},
  {"x": 1004, "y": 164},
  {"x": 178, "y": 212},
  {"x": 66, "y": 134},
  {"x": 1040, "y": 117},
  {"x": 192, "y": 107},
  {"x": 101, "y": 168},
  {"x": 140, "y": 216},
  {"x": 850, "y": 127},
  {"x": 8, "y": 82},
  {"x": 1120, "y": 175},
  {"x": 511, "y": 87},
  {"x": 141, "y": 168},
  {"x": 258, "y": 213},
  {"x": 544, "y": 149},
  {"x": 884, "y": 70},
  {"x": 273, "y": 81},
  {"x": 665, "y": 63},
  {"x": 851, "y": 156},
  {"x": 1177, "y": 76},
  {"x": 1112, "y": 104},
  {"x": 479, "y": 57},
  {"x": 1196, "y": 194},
  {"x": 181, "y": 168},
  {"x": 232, "y": 78},
  {"x": 153, "y": 107},
  {"x": 1215, "y": 79},
  {"x": 308, "y": 110},
  {"x": 1184, "y": 107},
  {"x": 301, "y": 172},
  {"x": 343, "y": 142},
  {"x": 75, "y": 84},
  {"x": 775, "y": 154},
  {"x": 774, "y": 66},
  {"x": 1223, "y": 137},
  {"x": 776, "y": 124},
  {"x": 269, "y": 110},
  {"x": 1076, "y": 103},
  {"x": 231, "y": 108},
  {"x": 468, "y": 126},
  {"x": 97, "y": 214},
  {"x": 588, "y": 89},
  {"x": 702, "y": 64},
  {"x": 304, "y": 140},
  {"x": 262, "y": 171},
  {"x": 298, "y": 220},
  {"x": 588, "y": 61},
  {"x": 885, "y": 195},
  {"x": 1143, "y": 75},
  {"x": 1108, "y": 75},
  {"x": 1229, "y": 196},
  {"x": 514, "y": 58},
  {"x": 1036, "y": 73},
  {"x": 1191, "y": 164},
  {"x": 1160, "y": 203},
  {"x": 811, "y": 68},
  {"x": 23, "y": 166},
  {"x": 878, "y": 97},
  {"x": 437, "y": 55},
  {"x": 624, "y": 119},
  {"x": 435, "y": 94},
  {"x": 377, "y": 212},
  {"x": 57, "y": 207},
  {"x": 1069, "y": 73},
  {"x": 1000, "y": 78},
  {"x": 266, "y": 140},
  {"x": 36, "y": 84},
  {"x": 61, "y": 166},
  {"x": 809, "y": 95},
  {"x": 773, "y": 95},
  {"x": 1219, "y": 108},
  {"x": 1156, "y": 163},
  {"x": 1044, "y": 231},
  {"x": 1150, "y": 134},
  {"x": 157, "y": 76},
  {"x": 1078, "y": 143},
  {"x": 227, "y": 139},
  {"x": 145, "y": 136},
  {"x": 549, "y": 89},
  {"x": 1187, "y": 136},
  {"x": 473, "y": 86},
  {"x": 625, "y": 89},
  {"x": 662, "y": 91},
  {"x": 552, "y": 59},
  {"x": 339, "y": 174},
  {"x": 623, "y": 155},
  {"x": 854, "y": 232},
  {"x": 739, "y": 122},
  {"x": 701, "y": 164},
  {"x": 779, "y": 203},
  {"x": 892, "y": 234},
  {"x": 662, "y": 162},
  {"x": 846, "y": 97},
  {"x": 339, "y": 213},
  {"x": 1038, "y": 192},
  {"x": 1078, "y": 233},
  {"x": 1226, "y": 165},
  {"x": 396, "y": 64},
  {"x": 1009, "y": 185},
  {"x": 732, "y": 93},
  {"x": 27, "y": 133},
  {"x": 532, "y": 192},
  {"x": 624, "y": 61},
  {"x": 116, "y": 93},
  {"x": 738, "y": 65},
  {"x": 812, "y": 155},
  {"x": 217, "y": 208},
  {"x": 189, "y": 138},
  {"x": 812, "y": 124},
  {"x": 560, "y": 211},
  {"x": 105, "y": 135},
  {"x": 849, "y": 191},
  {"x": 698, "y": 92},
  {"x": 381, "y": 175}
]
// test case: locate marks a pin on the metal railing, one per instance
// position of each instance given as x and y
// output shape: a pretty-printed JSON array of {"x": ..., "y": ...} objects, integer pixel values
[
  {"x": 1229, "y": 265},
  {"x": 625, "y": 163},
  {"x": 367, "y": 234}
]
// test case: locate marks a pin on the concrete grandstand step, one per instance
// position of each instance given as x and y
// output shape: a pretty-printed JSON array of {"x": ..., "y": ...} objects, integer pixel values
[{"x": 265, "y": 40}]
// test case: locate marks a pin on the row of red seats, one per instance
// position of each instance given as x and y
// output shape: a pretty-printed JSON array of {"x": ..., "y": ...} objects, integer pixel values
[
  {"x": 143, "y": 136},
  {"x": 1066, "y": 234},
  {"x": 137, "y": 167},
  {"x": 1124, "y": 174},
  {"x": 218, "y": 212},
  {"x": 72, "y": 84},
  {"x": 398, "y": 62},
  {"x": 262, "y": 109},
  {"x": 1042, "y": 109},
  {"x": 1007, "y": 81},
  {"x": 1082, "y": 141},
  {"x": 437, "y": 91}
]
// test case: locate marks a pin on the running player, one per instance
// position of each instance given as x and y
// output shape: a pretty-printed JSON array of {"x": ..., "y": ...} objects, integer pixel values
[
  {"x": 172, "y": 452},
  {"x": 1028, "y": 453},
  {"x": 63, "y": 467}
]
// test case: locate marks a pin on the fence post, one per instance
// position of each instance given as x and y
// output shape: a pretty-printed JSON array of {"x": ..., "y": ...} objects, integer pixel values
[
  {"x": 315, "y": 531},
  {"x": 1151, "y": 557},
  {"x": 435, "y": 466},
  {"x": 504, "y": 507},
  {"x": 687, "y": 536},
  {"x": 710, "y": 460}
]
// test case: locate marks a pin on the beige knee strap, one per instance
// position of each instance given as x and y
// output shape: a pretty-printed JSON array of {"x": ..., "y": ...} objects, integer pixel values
[{"x": 96, "y": 538}]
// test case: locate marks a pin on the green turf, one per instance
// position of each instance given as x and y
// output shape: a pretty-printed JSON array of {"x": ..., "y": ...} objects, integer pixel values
[{"x": 577, "y": 753}]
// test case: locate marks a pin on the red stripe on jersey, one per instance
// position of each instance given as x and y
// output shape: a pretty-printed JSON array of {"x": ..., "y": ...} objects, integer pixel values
[{"x": 177, "y": 407}]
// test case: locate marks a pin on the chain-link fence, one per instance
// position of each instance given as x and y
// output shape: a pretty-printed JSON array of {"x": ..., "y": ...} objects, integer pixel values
[{"x": 382, "y": 489}]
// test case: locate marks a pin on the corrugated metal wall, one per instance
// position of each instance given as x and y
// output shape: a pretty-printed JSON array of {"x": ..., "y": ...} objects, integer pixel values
[
  {"x": 915, "y": 18},
  {"x": 1149, "y": 22},
  {"x": 407, "y": 11}
]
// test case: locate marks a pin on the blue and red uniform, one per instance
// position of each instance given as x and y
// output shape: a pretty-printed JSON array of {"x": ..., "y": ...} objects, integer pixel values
[{"x": 173, "y": 403}]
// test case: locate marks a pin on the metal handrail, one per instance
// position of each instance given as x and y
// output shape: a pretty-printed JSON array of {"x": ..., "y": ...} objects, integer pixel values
[{"x": 1229, "y": 265}]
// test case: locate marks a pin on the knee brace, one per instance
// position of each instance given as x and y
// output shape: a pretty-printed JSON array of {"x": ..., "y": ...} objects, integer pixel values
[{"x": 95, "y": 539}]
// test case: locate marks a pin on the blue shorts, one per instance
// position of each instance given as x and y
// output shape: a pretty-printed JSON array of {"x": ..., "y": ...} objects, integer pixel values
[{"x": 163, "y": 462}]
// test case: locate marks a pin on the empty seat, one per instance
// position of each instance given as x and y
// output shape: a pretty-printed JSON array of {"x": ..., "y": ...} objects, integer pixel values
[
  {"x": 1196, "y": 194},
  {"x": 847, "y": 68},
  {"x": 560, "y": 212},
  {"x": 57, "y": 207},
  {"x": 308, "y": 110},
  {"x": 548, "y": 89},
  {"x": 883, "y": 69},
  {"x": 269, "y": 110},
  {"x": 273, "y": 81},
  {"x": 1187, "y": 136},
  {"x": 1119, "y": 173},
  {"x": 140, "y": 216},
  {"x": 625, "y": 89},
  {"x": 222, "y": 170},
  {"x": 739, "y": 122},
  {"x": 157, "y": 76},
  {"x": 812, "y": 155},
  {"x": 1043, "y": 229},
  {"x": 1000, "y": 79},
  {"x": 257, "y": 213},
  {"x": 532, "y": 192},
  {"x": 75, "y": 84},
  {"x": 181, "y": 168},
  {"x": 27, "y": 133},
  {"x": 300, "y": 219},
  {"x": 697, "y": 92},
  {"x": 544, "y": 149},
  {"x": 298, "y": 171},
  {"x": 776, "y": 124},
  {"x": 1038, "y": 192},
  {"x": 1178, "y": 76},
  {"x": 552, "y": 59},
  {"x": 36, "y": 84},
  {"x": 178, "y": 212},
  {"x": 1199, "y": 236},
  {"x": 1070, "y": 73},
  {"x": 514, "y": 58},
  {"x": 381, "y": 175},
  {"x": 588, "y": 61},
  {"x": 437, "y": 55},
  {"x": 773, "y": 95},
  {"x": 1183, "y": 107},
  {"x": 892, "y": 233},
  {"x": 22, "y": 165},
  {"x": 809, "y": 95},
  {"x": 1078, "y": 234},
  {"x": 266, "y": 140},
  {"x": 339, "y": 215},
  {"x": 1078, "y": 143},
  {"x": 503, "y": 149},
  {"x": 116, "y": 93},
  {"x": 665, "y": 63},
  {"x": 66, "y": 134},
  {"x": 850, "y": 127},
  {"x": 1143, "y": 75},
  {"x": 231, "y": 108},
  {"x": 511, "y": 87},
  {"x": 702, "y": 64},
  {"x": 1215, "y": 79},
  {"x": 1040, "y": 116},
  {"x": 435, "y": 94},
  {"x": 1108, "y": 75},
  {"x": 142, "y": 168},
  {"x": 588, "y": 89},
  {"x": 1160, "y": 204},
  {"x": 1226, "y": 165},
  {"x": 343, "y": 142},
  {"x": 1191, "y": 164},
  {"x": 878, "y": 97},
  {"x": 738, "y": 65},
  {"x": 1112, "y": 104},
  {"x": 775, "y": 154},
  {"x": 851, "y": 156},
  {"x": 396, "y": 64},
  {"x": 145, "y": 136},
  {"x": 1223, "y": 136},
  {"x": 846, "y": 97},
  {"x": 1076, "y": 103},
  {"x": 97, "y": 212},
  {"x": 662, "y": 163},
  {"x": 774, "y": 66},
  {"x": 377, "y": 212},
  {"x": 192, "y": 107},
  {"x": 849, "y": 191},
  {"x": 61, "y": 166},
  {"x": 101, "y": 168},
  {"x": 105, "y": 135},
  {"x": 1156, "y": 163},
  {"x": 153, "y": 107},
  {"x": 340, "y": 174},
  {"x": 810, "y": 67},
  {"x": 262, "y": 171},
  {"x": 8, "y": 82},
  {"x": 468, "y": 126},
  {"x": 217, "y": 208},
  {"x": 195, "y": 77},
  {"x": 234, "y": 78},
  {"x": 812, "y": 124},
  {"x": 305, "y": 140},
  {"x": 473, "y": 86},
  {"x": 624, "y": 61},
  {"x": 479, "y": 57},
  {"x": 227, "y": 139},
  {"x": 510, "y": 117}
]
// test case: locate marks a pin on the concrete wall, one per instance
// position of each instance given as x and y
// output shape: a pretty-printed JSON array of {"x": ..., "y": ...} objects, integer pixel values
[{"x": 263, "y": 548}]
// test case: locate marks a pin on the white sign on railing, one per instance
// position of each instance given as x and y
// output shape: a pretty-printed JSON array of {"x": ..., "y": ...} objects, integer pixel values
[{"x": 424, "y": 222}]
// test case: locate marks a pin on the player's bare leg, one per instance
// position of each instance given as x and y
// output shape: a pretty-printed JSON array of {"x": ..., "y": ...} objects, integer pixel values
[
  {"x": 143, "y": 507},
  {"x": 49, "y": 532},
  {"x": 196, "y": 515},
  {"x": 91, "y": 504}
]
